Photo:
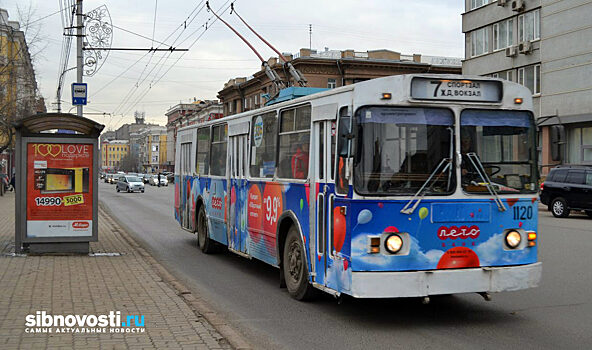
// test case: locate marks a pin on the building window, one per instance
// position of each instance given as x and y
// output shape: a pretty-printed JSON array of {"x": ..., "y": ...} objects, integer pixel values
[
  {"x": 478, "y": 3},
  {"x": 510, "y": 75},
  {"x": 154, "y": 159},
  {"x": 331, "y": 83},
  {"x": 480, "y": 42},
  {"x": 530, "y": 76},
  {"x": 579, "y": 149},
  {"x": 154, "y": 148},
  {"x": 503, "y": 34},
  {"x": 537, "y": 79},
  {"x": 155, "y": 137},
  {"x": 495, "y": 75},
  {"x": 529, "y": 26}
]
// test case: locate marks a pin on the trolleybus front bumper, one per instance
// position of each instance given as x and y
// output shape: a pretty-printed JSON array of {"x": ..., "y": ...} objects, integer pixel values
[{"x": 434, "y": 282}]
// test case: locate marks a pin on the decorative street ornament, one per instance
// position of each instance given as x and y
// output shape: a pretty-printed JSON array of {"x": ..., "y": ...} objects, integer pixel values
[{"x": 98, "y": 35}]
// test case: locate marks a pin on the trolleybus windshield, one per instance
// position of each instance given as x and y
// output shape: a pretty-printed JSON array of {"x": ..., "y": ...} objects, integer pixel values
[
  {"x": 399, "y": 148},
  {"x": 503, "y": 142}
]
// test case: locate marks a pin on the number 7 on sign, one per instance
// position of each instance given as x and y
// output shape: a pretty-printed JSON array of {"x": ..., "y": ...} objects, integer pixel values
[{"x": 437, "y": 83}]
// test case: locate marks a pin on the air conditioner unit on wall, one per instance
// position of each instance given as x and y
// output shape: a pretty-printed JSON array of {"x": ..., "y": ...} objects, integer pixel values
[
  {"x": 525, "y": 47},
  {"x": 501, "y": 2},
  {"x": 518, "y": 5},
  {"x": 511, "y": 51}
]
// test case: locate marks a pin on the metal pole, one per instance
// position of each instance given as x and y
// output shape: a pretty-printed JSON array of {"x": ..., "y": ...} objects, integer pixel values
[{"x": 79, "y": 44}]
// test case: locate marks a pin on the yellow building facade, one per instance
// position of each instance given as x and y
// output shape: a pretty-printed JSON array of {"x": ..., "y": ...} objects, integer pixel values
[{"x": 112, "y": 154}]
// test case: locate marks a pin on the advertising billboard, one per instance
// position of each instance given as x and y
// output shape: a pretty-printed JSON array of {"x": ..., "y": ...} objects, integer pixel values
[{"x": 59, "y": 189}]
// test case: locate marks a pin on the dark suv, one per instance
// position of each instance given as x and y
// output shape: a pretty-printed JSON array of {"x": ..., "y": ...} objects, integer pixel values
[{"x": 567, "y": 188}]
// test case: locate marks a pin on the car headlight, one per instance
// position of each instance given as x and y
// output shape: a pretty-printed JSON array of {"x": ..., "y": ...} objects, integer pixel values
[
  {"x": 513, "y": 239},
  {"x": 393, "y": 243}
]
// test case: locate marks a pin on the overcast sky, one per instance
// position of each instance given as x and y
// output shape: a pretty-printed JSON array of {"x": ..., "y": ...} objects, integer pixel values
[{"x": 154, "y": 82}]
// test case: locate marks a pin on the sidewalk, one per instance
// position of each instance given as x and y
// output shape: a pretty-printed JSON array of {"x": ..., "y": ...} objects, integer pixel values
[{"x": 95, "y": 285}]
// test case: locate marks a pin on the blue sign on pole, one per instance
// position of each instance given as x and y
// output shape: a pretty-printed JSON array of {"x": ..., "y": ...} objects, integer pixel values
[{"x": 79, "y": 94}]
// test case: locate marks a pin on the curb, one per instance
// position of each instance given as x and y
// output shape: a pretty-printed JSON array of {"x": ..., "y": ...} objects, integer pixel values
[{"x": 199, "y": 306}]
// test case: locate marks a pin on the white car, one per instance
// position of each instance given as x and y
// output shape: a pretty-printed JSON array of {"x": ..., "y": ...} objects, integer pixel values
[
  {"x": 129, "y": 184},
  {"x": 154, "y": 180}
]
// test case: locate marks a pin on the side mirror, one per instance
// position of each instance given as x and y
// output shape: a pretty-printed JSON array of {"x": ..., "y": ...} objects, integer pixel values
[{"x": 345, "y": 136}]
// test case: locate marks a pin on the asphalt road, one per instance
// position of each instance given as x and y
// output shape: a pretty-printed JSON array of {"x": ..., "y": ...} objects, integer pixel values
[{"x": 557, "y": 314}]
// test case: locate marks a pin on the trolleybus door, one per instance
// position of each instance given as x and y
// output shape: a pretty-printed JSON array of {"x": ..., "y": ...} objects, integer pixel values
[
  {"x": 323, "y": 198},
  {"x": 236, "y": 201}
]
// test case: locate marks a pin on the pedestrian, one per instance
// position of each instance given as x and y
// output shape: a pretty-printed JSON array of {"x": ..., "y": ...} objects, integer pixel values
[
  {"x": 158, "y": 179},
  {"x": 13, "y": 183}
]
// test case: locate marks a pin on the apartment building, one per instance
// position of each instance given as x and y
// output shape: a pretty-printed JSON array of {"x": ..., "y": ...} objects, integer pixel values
[
  {"x": 113, "y": 153},
  {"x": 545, "y": 45}
]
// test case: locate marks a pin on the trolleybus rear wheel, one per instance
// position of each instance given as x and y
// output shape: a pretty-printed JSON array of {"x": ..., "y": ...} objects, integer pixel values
[
  {"x": 203, "y": 236},
  {"x": 295, "y": 269}
]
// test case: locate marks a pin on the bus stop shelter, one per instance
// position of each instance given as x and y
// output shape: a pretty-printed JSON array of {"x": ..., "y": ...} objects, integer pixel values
[{"x": 57, "y": 165}]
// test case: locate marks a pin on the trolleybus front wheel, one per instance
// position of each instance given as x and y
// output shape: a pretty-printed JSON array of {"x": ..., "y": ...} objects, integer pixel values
[{"x": 295, "y": 269}]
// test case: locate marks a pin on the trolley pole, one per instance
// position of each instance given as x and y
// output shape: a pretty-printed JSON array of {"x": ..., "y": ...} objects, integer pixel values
[{"x": 79, "y": 44}]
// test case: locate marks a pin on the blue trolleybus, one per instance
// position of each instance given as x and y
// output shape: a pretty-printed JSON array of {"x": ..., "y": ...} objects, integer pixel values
[{"x": 403, "y": 186}]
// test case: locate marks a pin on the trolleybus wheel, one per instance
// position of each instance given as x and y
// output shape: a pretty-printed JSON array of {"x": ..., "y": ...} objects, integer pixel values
[
  {"x": 559, "y": 208},
  {"x": 203, "y": 236},
  {"x": 295, "y": 269}
]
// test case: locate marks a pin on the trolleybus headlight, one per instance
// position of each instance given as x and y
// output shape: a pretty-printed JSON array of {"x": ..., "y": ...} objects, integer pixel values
[
  {"x": 513, "y": 239},
  {"x": 393, "y": 243}
]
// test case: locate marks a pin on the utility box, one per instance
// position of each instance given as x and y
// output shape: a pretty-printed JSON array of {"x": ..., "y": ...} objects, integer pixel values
[{"x": 56, "y": 184}]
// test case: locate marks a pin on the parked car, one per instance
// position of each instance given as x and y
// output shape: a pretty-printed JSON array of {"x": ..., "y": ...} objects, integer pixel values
[
  {"x": 146, "y": 178},
  {"x": 154, "y": 180},
  {"x": 568, "y": 188},
  {"x": 170, "y": 176},
  {"x": 129, "y": 183}
]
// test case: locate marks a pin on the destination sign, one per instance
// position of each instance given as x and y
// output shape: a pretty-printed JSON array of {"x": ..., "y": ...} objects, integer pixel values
[{"x": 456, "y": 90}]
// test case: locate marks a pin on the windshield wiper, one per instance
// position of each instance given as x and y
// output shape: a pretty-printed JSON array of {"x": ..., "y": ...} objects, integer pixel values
[
  {"x": 418, "y": 196},
  {"x": 472, "y": 156}
]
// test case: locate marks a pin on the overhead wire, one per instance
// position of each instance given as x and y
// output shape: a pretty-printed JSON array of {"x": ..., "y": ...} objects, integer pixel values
[
  {"x": 141, "y": 79},
  {"x": 190, "y": 46},
  {"x": 134, "y": 87}
]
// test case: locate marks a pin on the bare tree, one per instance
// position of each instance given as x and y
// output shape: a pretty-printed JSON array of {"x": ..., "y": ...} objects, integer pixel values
[{"x": 19, "y": 94}]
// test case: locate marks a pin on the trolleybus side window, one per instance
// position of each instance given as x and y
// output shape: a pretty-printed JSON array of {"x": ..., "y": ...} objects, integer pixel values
[
  {"x": 294, "y": 141},
  {"x": 219, "y": 146},
  {"x": 186, "y": 158},
  {"x": 264, "y": 144},
  {"x": 333, "y": 131},
  {"x": 203, "y": 151},
  {"x": 341, "y": 183}
]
